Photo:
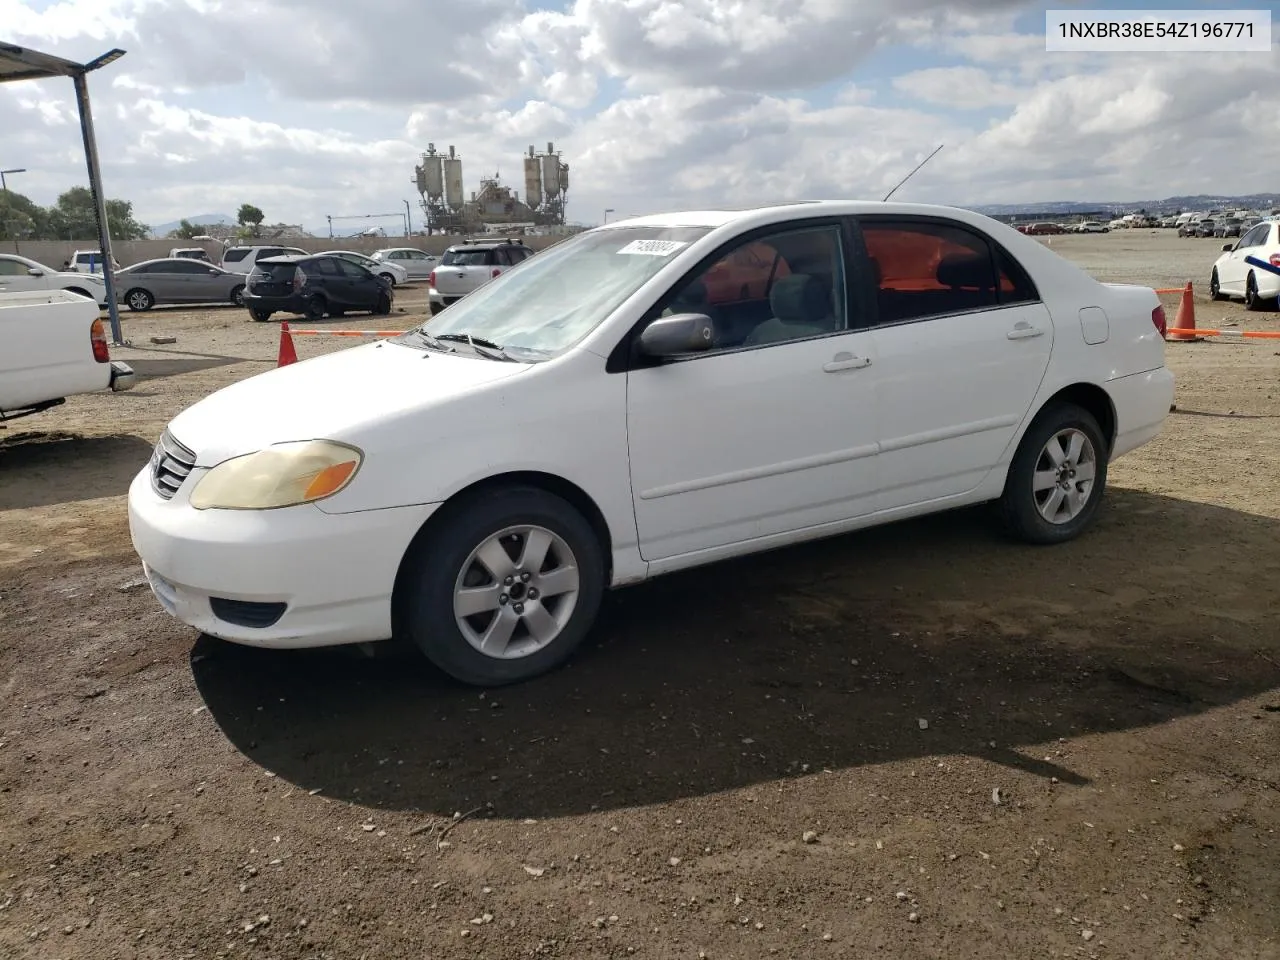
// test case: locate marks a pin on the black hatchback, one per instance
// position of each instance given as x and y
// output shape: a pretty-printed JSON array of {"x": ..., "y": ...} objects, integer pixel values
[{"x": 314, "y": 286}]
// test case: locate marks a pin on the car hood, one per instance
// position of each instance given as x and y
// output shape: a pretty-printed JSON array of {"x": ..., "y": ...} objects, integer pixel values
[{"x": 331, "y": 397}]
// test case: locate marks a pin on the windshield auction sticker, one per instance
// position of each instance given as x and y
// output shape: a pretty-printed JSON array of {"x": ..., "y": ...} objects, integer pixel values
[{"x": 654, "y": 248}]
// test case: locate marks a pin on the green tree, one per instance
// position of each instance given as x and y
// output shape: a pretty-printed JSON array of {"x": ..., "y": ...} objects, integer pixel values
[
  {"x": 20, "y": 219},
  {"x": 73, "y": 218},
  {"x": 250, "y": 217},
  {"x": 186, "y": 230}
]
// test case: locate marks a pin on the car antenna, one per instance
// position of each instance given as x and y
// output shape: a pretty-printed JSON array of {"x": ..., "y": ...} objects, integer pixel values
[{"x": 913, "y": 172}]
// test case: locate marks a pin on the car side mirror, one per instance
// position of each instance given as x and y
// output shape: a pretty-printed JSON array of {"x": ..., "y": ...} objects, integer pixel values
[
  {"x": 1228, "y": 246},
  {"x": 677, "y": 335},
  {"x": 35, "y": 272}
]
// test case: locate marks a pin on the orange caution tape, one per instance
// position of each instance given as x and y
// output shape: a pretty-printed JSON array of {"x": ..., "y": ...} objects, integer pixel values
[
  {"x": 347, "y": 333},
  {"x": 1246, "y": 334}
]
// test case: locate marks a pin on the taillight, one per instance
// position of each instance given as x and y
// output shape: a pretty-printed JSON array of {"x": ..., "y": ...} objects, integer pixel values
[
  {"x": 1275, "y": 260},
  {"x": 299, "y": 278},
  {"x": 431, "y": 279},
  {"x": 98, "y": 337},
  {"x": 495, "y": 273},
  {"x": 1158, "y": 318}
]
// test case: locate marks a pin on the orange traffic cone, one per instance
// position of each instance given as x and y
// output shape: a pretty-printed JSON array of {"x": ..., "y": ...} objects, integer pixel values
[
  {"x": 1186, "y": 318},
  {"x": 287, "y": 353}
]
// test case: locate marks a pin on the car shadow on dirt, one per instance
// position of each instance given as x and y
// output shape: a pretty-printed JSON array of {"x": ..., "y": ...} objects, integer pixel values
[
  {"x": 169, "y": 363},
  {"x": 35, "y": 466},
  {"x": 824, "y": 656}
]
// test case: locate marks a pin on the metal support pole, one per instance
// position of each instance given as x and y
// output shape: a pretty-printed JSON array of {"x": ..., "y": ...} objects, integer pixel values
[
  {"x": 99, "y": 205},
  {"x": 408, "y": 221}
]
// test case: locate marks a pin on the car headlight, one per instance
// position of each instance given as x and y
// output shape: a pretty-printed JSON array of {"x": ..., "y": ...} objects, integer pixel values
[{"x": 283, "y": 475}]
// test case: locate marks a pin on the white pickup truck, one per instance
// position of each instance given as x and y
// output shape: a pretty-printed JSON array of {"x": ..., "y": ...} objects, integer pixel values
[
  {"x": 470, "y": 265},
  {"x": 55, "y": 347}
]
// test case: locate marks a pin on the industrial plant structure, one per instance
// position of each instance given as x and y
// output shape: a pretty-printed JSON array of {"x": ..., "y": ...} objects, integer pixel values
[{"x": 439, "y": 181}]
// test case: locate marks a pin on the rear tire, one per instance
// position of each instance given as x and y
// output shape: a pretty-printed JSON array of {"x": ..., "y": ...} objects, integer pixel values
[
  {"x": 139, "y": 300},
  {"x": 315, "y": 308},
  {"x": 1251, "y": 299},
  {"x": 530, "y": 567},
  {"x": 1057, "y": 478},
  {"x": 260, "y": 314}
]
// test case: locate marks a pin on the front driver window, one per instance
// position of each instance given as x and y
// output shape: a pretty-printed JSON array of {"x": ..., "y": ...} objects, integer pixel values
[{"x": 783, "y": 286}]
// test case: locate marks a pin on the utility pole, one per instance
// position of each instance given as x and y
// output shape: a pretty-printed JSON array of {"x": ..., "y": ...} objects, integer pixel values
[
  {"x": 408, "y": 221},
  {"x": 4, "y": 185}
]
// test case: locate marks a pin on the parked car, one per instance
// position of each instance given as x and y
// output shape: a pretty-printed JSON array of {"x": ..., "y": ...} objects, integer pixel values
[
  {"x": 178, "y": 280},
  {"x": 590, "y": 420},
  {"x": 469, "y": 265},
  {"x": 1227, "y": 227},
  {"x": 314, "y": 285},
  {"x": 415, "y": 262},
  {"x": 242, "y": 259},
  {"x": 1206, "y": 227},
  {"x": 1189, "y": 228},
  {"x": 55, "y": 347},
  {"x": 88, "y": 261},
  {"x": 23, "y": 275},
  {"x": 391, "y": 272},
  {"x": 1250, "y": 268},
  {"x": 1093, "y": 226},
  {"x": 191, "y": 253},
  {"x": 1042, "y": 229}
]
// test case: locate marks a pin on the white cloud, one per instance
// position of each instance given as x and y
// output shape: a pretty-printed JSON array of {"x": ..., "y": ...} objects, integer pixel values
[{"x": 321, "y": 107}]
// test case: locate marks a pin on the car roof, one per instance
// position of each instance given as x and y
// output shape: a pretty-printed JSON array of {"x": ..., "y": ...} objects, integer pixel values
[
  {"x": 796, "y": 210},
  {"x": 290, "y": 257}
]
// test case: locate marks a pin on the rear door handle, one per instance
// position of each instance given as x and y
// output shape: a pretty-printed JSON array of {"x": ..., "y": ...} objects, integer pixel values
[
  {"x": 845, "y": 361},
  {"x": 1024, "y": 331}
]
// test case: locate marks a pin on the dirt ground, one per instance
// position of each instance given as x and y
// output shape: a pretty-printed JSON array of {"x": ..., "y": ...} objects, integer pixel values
[{"x": 920, "y": 741}]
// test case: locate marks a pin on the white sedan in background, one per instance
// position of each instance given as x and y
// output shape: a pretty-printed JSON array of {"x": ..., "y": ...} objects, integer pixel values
[
  {"x": 22, "y": 275},
  {"x": 649, "y": 396},
  {"x": 1250, "y": 268},
  {"x": 414, "y": 261},
  {"x": 393, "y": 273}
]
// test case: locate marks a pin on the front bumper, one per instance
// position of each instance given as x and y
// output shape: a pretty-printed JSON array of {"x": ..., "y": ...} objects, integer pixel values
[{"x": 333, "y": 574}]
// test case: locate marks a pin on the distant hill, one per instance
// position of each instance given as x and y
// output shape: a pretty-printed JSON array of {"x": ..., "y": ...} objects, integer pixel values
[
  {"x": 204, "y": 219},
  {"x": 1263, "y": 202}
]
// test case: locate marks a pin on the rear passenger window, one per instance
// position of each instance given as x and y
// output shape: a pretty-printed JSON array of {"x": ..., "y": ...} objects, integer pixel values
[{"x": 927, "y": 269}]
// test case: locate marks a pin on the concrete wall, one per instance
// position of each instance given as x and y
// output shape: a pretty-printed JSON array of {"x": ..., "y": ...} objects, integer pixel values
[{"x": 53, "y": 252}]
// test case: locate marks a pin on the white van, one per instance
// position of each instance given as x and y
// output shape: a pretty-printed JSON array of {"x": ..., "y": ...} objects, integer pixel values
[
  {"x": 242, "y": 259},
  {"x": 88, "y": 261}
]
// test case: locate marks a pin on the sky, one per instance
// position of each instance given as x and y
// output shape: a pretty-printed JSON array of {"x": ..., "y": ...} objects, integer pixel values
[{"x": 315, "y": 108}]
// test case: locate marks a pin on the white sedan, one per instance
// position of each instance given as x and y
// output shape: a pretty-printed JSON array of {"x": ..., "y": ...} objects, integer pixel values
[
  {"x": 21, "y": 275},
  {"x": 414, "y": 261},
  {"x": 1250, "y": 267},
  {"x": 644, "y": 397}
]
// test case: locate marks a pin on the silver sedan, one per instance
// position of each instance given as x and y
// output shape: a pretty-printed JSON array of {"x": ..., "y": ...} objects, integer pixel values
[{"x": 178, "y": 280}]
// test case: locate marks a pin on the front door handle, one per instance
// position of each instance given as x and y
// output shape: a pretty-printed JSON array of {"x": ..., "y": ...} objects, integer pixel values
[
  {"x": 1024, "y": 331},
  {"x": 845, "y": 361}
]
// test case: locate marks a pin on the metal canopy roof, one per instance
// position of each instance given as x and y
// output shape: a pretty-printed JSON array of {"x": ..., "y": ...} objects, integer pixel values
[{"x": 19, "y": 63}]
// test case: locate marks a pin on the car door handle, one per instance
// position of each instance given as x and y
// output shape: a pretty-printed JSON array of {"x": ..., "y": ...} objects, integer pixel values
[
  {"x": 845, "y": 361},
  {"x": 1024, "y": 331}
]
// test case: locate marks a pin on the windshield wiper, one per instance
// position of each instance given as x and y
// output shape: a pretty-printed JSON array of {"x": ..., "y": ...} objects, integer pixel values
[
  {"x": 486, "y": 348},
  {"x": 433, "y": 342}
]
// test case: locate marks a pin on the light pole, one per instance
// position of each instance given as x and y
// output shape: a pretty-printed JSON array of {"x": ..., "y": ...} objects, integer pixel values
[
  {"x": 4, "y": 185},
  {"x": 408, "y": 221},
  {"x": 607, "y": 211}
]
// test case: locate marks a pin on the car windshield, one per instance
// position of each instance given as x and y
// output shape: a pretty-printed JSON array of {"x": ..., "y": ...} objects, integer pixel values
[{"x": 551, "y": 301}]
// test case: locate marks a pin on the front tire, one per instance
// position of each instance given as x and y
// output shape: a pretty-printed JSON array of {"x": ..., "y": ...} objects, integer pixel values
[
  {"x": 1215, "y": 290},
  {"x": 237, "y": 296},
  {"x": 389, "y": 278},
  {"x": 139, "y": 300},
  {"x": 383, "y": 307},
  {"x": 1057, "y": 478},
  {"x": 504, "y": 588}
]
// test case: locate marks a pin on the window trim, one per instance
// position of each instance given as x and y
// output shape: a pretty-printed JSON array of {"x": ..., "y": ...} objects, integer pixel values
[
  {"x": 625, "y": 357},
  {"x": 995, "y": 250}
]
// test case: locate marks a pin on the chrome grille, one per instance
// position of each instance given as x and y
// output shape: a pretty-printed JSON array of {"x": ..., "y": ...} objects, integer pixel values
[{"x": 171, "y": 463}]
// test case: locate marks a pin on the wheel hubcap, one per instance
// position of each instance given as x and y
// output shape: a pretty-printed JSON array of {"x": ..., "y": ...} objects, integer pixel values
[
  {"x": 1064, "y": 476},
  {"x": 138, "y": 300},
  {"x": 516, "y": 592}
]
